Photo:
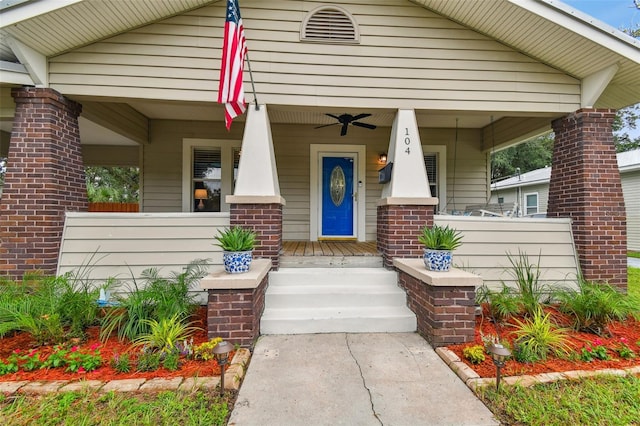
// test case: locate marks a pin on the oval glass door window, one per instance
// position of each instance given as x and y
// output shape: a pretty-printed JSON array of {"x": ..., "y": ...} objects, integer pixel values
[{"x": 338, "y": 185}]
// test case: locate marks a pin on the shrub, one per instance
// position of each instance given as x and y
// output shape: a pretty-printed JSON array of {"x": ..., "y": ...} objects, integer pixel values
[
  {"x": 204, "y": 351},
  {"x": 121, "y": 363},
  {"x": 165, "y": 334},
  {"x": 51, "y": 309},
  {"x": 590, "y": 352},
  {"x": 440, "y": 238},
  {"x": 148, "y": 361},
  {"x": 158, "y": 298},
  {"x": 475, "y": 354},
  {"x": 527, "y": 278},
  {"x": 501, "y": 304},
  {"x": 593, "y": 306},
  {"x": 538, "y": 337},
  {"x": 171, "y": 361},
  {"x": 236, "y": 239}
]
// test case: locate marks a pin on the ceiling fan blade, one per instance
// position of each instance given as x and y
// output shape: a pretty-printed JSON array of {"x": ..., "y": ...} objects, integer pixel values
[
  {"x": 361, "y": 116},
  {"x": 333, "y": 116},
  {"x": 344, "y": 129},
  {"x": 365, "y": 125},
  {"x": 326, "y": 125}
]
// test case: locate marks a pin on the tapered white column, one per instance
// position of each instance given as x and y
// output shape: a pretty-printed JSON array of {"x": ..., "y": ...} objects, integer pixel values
[
  {"x": 257, "y": 172},
  {"x": 408, "y": 174}
]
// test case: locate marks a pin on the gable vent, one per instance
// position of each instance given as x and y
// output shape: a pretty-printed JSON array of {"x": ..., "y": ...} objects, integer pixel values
[{"x": 330, "y": 24}]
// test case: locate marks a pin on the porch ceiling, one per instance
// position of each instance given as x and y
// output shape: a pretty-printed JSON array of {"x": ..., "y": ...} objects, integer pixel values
[{"x": 294, "y": 114}]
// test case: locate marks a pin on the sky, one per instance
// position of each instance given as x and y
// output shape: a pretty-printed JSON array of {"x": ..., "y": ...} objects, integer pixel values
[{"x": 617, "y": 13}]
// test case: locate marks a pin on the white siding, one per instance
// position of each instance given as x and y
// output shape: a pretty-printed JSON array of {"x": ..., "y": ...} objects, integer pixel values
[
  {"x": 631, "y": 190},
  {"x": 122, "y": 245},
  {"x": 487, "y": 242},
  {"x": 407, "y": 57}
]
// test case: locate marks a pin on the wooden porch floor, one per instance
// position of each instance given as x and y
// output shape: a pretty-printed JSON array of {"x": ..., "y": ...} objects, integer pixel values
[{"x": 329, "y": 248}]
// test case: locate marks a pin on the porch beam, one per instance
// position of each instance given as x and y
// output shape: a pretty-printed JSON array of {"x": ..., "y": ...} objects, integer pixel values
[
  {"x": 119, "y": 118},
  {"x": 594, "y": 84},
  {"x": 35, "y": 62},
  {"x": 512, "y": 130}
]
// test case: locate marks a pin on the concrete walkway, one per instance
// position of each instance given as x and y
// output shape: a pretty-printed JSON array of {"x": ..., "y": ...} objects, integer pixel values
[
  {"x": 633, "y": 262},
  {"x": 353, "y": 379}
]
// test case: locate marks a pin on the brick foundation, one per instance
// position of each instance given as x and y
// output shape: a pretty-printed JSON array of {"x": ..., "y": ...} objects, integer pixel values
[
  {"x": 266, "y": 220},
  {"x": 398, "y": 230},
  {"x": 234, "y": 314},
  {"x": 446, "y": 315},
  {"x": 585, "y": 186},
  {"x": 45, "y": 178}
]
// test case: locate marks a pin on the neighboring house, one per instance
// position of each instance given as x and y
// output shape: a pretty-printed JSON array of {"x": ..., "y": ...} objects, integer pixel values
[
  {"x": 530, "y": 192},
  {"x": 428, "y": 83}
]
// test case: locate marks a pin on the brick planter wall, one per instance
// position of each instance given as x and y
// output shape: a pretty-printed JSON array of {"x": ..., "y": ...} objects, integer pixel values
[
  {"x": 446, "y": 315},
  {"x": 266, "y": 220},
  {"x": 234, "y": 314},
  {"x": 585, "y": 186},
  {"x": 398, "y": 230},
  {"x": 45, "y": 178}
]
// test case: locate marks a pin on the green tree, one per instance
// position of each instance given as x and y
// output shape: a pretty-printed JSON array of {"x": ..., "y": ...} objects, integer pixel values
[
  {"x": 527, "y": 156},
  {"x": 112, "y": 184},
  {"x": 626, "y": 119}
]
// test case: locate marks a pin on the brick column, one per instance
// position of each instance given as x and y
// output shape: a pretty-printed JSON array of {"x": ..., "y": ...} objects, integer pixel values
[
  {"x": 236, "y": 302},
  {"x": 398, "y": 230},
  {"x": 585, "y": 186},
  {"x": 44, "y": 179},
  {"x": 266, "y": 220},
  {"x": 444, "y": 302}
]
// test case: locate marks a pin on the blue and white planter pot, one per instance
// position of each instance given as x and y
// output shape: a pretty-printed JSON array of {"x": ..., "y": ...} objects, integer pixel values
[
  {"x": 437, "y": 260},
  {"x": 237, "y": 262}
]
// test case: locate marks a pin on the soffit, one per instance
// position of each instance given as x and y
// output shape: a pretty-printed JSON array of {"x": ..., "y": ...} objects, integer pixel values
[{"x": 61, "y": 29}]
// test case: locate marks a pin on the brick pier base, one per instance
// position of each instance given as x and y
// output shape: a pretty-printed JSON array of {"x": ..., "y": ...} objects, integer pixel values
[
  {"x": 399, "y": 226},
  {"x": 444, "y": 302},
  {"x": 236, "y": 303},
  {"x": 266, "y": 220}
]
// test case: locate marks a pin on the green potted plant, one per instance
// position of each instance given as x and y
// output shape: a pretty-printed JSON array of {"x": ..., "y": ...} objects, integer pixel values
[
  {"x": 439, "y": 242},
  {"x": 237, "y": 244}
]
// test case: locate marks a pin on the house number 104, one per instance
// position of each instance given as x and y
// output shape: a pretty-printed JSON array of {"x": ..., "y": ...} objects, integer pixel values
[{"x": 407, "y": 141}]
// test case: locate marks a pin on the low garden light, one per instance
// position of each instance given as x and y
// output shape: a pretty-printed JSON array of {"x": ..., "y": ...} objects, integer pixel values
[
  {"x": 221, "y": 351},
  {"x": 499, "y": 355}
]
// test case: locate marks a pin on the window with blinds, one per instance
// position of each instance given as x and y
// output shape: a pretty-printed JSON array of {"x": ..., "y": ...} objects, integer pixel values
[
  {"x": 431, "y": 164},
  {"x": 330, "y": 24},
  {"x": 207, "y": 179}
]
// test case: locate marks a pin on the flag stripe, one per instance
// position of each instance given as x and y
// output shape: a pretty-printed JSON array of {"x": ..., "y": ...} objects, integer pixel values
[{"x": 234, "y": 48}]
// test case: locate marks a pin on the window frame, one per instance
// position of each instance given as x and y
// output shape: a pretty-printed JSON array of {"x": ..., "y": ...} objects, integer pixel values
[
  {"x": 227, "y": 148},
  {"x": 526, "y": 204},
  {"x": 441, "y": 161}
]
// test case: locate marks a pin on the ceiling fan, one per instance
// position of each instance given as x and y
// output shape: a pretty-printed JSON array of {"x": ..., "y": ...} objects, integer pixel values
[{"x": 346, "y": 119}]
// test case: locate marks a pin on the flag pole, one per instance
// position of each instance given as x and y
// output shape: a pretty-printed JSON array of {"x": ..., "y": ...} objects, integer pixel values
[{"x": 253, "y": 86}]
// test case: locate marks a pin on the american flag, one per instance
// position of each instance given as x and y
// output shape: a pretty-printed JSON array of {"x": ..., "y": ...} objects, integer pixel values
[{"x": 231, "y": 90}]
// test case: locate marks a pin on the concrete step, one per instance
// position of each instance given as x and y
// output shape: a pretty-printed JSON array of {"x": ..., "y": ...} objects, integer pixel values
[
  {"x": 314, "y": 276},
  {"x": 310, "y": 296},
  {"x": 320, "y": 300},
  {"x": 376, "y": 319}
]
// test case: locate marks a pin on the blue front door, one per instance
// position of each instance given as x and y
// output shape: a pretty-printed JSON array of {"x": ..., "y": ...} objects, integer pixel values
[{"x": 337, "y": 197}]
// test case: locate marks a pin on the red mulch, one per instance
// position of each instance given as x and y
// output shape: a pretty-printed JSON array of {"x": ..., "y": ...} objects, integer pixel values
[
  {"x": 630, "y": 330},
  {"x": 188, "y": 367}
]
